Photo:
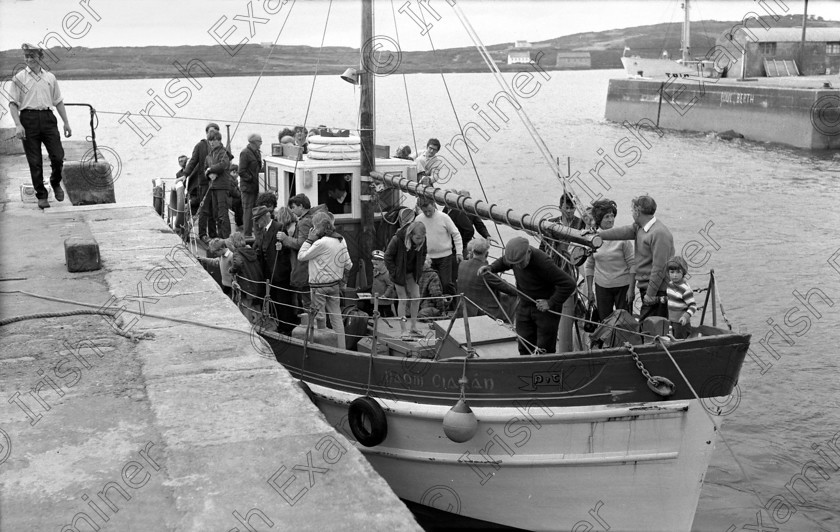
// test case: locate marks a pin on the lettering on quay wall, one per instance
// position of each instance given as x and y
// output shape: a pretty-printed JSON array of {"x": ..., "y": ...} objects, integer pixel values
[
  {"x": 736, "y": 97},
  {"x": 408, "y": 380}
]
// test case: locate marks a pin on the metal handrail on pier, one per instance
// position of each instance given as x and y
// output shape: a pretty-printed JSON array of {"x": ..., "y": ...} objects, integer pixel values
[{"x": 92, "y": 126}]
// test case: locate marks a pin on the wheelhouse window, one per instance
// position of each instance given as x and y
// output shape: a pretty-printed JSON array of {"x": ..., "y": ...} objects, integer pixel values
[
  {"x": 335, "y": 192},
  {"x": 768, "y": 48},
  {"x": 290, "y": 185},
  {"x": 832, "y": 48}
]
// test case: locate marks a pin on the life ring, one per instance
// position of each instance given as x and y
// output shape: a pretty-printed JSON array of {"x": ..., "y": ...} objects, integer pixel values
[
  {"x": 367, "y": 409},
  {"x": 335, "y": 141},
  {"x": 333, "y": 148}
]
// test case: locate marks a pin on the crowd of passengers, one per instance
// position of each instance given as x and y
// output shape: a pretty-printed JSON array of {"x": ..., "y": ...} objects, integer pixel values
[{"x": 434, "y": 255}]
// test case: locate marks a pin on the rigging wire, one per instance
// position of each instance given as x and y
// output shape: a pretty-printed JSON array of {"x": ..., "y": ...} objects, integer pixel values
[
  {"x": 458, "y": 121},
  {"x": 405, "y": 83},
  {"x": 317, "y": 64},
  {"x": 532, "y": 130},
  {"x": 265, "y": 64},
  {"x": 312, "y": 88}
]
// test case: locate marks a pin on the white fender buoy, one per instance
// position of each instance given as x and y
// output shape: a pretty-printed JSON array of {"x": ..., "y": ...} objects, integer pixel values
[{"x": 460, "y": 424}]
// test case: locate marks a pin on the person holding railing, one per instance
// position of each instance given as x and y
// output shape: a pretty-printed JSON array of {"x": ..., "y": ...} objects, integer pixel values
[
  {"x": 218, "y": 172},
  {"x": 196, "y": 177}
]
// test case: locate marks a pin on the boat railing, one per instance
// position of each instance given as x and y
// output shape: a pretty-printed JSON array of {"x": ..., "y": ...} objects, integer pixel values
[
  {"x": 712, "y": 296},
  {"x": 257, "y": 308}
]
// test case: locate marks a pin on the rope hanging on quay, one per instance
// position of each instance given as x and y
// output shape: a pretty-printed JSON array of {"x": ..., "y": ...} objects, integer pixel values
[
  {"x": 145, "y": 335},
  {"x": 43, "y": 315}
]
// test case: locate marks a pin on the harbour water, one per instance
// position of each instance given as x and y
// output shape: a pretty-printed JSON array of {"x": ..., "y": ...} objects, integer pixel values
[{"x": 764, "y": 217}]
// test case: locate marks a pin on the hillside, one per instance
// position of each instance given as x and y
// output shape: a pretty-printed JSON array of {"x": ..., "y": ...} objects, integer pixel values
[{"x": 605, "y": 49}]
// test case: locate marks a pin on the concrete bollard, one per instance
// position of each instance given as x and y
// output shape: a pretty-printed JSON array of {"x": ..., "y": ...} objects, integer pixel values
[
  {"x": 88, "y": 183},
  {"x": 82, "y": 254}
]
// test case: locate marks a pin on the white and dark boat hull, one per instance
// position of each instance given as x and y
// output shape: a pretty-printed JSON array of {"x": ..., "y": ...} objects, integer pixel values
[{"x": 631, "y": 466}]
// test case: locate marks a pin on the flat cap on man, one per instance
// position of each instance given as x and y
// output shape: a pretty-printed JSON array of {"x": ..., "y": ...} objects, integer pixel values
[
  {"x": 258, "y": 212},
  {"x": 516, "y": 250},
  {"x": 26, "y": 47}
]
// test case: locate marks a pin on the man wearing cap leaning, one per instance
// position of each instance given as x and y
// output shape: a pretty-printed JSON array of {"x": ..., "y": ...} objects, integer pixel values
[
  {"x": 34, "y": 93},
  {"x": 536, "y": 277}
]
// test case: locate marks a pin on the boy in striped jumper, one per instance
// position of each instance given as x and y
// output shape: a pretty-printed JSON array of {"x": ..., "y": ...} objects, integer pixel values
[{"x": 681, "y": 305}]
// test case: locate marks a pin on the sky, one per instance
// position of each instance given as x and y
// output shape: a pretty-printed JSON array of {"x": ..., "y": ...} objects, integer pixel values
[{"x": 97, "y": 23}]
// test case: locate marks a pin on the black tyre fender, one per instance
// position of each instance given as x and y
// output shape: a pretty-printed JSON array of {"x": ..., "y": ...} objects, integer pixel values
[{"x": 367, "y": 407}]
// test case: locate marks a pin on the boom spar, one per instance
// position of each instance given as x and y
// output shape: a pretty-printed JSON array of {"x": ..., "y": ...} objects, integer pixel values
[{"x": 490, "y": 211}]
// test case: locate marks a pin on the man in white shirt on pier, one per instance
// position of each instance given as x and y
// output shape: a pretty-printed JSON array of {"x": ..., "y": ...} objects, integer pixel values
[{"x": 34, "y": 93}]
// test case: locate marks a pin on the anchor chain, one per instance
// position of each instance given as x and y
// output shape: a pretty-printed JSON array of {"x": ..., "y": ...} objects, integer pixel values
[{"x": 658, "y": 385}]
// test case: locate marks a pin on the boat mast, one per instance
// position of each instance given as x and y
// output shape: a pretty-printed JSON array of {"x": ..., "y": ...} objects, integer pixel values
[
  {"x": 367, "y": 133},
  {"x": 686, "y": 40}
]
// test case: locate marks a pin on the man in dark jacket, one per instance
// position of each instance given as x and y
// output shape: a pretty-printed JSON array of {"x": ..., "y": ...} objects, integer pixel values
[
  {"x": 217, "y": 164},
  {"x": 482, "y": 298},
  {"x": 195, "y": 172},
  {"x": 275, "y": 269},
  {"x": 536, "y": 276},
  {"x": 250, "y": 164},
  {"x": 467, "y": 224},
  {"x": 302, "y": 208}
]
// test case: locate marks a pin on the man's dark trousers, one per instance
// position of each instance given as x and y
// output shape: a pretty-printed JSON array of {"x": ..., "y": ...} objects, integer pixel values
[
  {"x": 249, "y": 200},
  {"x": 537, "y": 328},
  {"x": 218, "y": 200},
  {"x": 206, "y": 223},
  {"x": 42, "y": 128},
  {"x": 443, "y": 266}
]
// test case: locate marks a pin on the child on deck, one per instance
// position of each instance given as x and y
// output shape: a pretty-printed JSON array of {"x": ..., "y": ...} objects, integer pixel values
[
  {"x": 382, "y": 286},
  {"x": 681, "y": 305}
]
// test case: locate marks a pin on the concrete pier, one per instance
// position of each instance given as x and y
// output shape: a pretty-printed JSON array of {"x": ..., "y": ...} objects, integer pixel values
[{"x": 144, "y": 422}]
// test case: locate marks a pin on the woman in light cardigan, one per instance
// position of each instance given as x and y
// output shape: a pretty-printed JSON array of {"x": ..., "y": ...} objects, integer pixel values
[{"x": 611, "y": 267}]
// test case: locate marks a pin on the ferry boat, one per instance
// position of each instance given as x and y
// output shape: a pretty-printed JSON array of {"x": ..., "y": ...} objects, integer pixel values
[{"x": 663, "y": 67}]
